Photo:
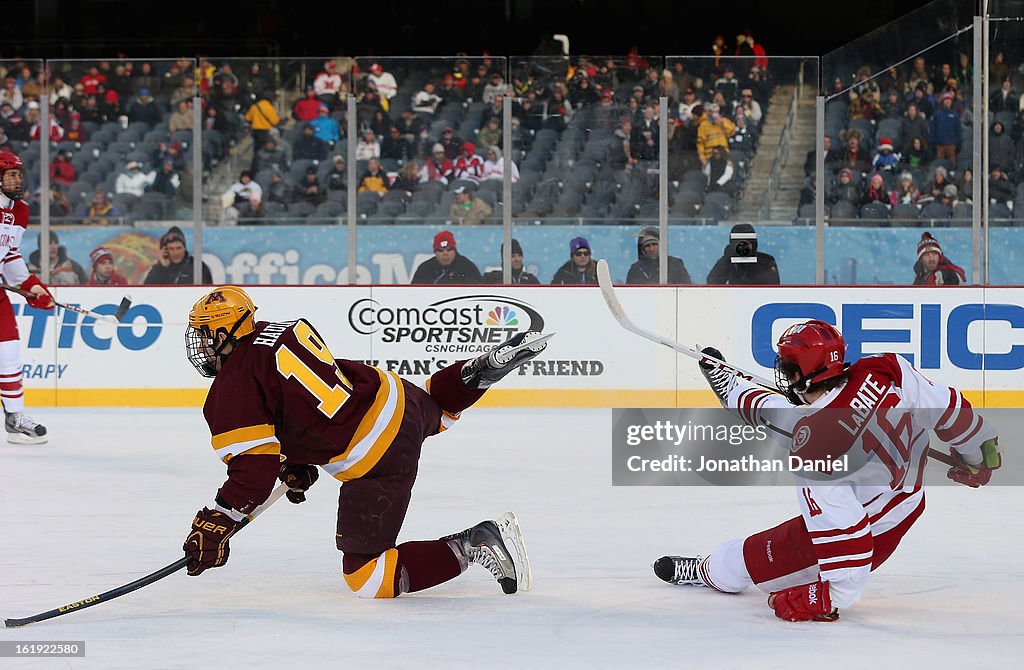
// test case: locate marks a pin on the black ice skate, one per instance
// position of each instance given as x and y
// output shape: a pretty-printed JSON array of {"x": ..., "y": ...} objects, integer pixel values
[
  {"x": 721, "y": 381},
  {"x": 483, "y": 371},
  {"x": 679, "y": 569},
  {"x": 485, "y": 544},
  {"x": 23, "y": 430}
]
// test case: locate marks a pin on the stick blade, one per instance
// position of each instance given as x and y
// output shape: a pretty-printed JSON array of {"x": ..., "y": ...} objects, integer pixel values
[{"x": 122, "y": 309}]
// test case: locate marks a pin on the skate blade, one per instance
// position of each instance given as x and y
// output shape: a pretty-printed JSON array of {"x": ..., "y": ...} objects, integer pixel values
[
  {"x": 533, "y": 344},
  {"x": 21, "y": 438},
  {"x": 508, "y": 526}
]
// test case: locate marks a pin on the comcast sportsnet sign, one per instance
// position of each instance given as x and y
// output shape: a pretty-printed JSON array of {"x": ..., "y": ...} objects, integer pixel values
[{"x": 463, "y": 325}]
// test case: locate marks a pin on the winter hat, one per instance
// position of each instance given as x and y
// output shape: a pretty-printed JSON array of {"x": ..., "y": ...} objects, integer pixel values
[
  {"x": 437, "y": 148},
  {"x": 649, "y": 235},
  {"x": 469, "y": 146},
  {"x": 577, "y": 243},
  {"x": 100, "y": 253},
  {"x": 607, "y": 94},
  {"x": 846, "y": 172},
  {"x": 172, "y": 235},
  {"x": 928, "y": 243},
  {"x": 949, "y": 191},
  {"x": 444, "y": 240},
  {"x": 885, "y": 143},
  {"x": 516, "y": 247},
  {"x": 948, "y": 95}
]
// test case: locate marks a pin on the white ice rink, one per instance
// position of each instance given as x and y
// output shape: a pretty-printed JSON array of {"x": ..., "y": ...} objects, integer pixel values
[{"x": 111, "y": 497}]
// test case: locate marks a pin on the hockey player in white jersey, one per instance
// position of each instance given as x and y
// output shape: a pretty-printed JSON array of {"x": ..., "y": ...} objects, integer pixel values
[{"x": 880, "y": 408}]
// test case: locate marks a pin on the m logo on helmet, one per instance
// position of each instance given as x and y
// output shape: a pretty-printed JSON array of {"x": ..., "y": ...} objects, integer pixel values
[{"x": 215, "y": 296}]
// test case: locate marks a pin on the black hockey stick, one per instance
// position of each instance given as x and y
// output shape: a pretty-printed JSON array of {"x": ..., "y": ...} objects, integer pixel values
[
  {"x": 138, "y": 583},
  {"x": 118, "y": 315},
  {"x": 604, "y": 279}
]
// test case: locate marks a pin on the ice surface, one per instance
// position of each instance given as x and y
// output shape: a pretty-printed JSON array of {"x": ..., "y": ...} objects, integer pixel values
[{"x": 110, "y": 499}]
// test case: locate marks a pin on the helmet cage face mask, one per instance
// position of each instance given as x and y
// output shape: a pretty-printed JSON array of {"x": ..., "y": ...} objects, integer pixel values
[{"x": 200, "y": 346}]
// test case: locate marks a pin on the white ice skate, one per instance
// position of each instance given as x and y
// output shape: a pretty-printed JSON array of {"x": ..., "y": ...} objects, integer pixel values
[{"x": 21, "y": 429}]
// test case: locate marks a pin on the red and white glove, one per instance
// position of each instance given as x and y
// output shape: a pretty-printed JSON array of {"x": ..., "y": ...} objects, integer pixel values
[
  {"x": 978, "y": 474},
  {"x": 40, "y": 298},
  {"x": 808, "y": 602}
]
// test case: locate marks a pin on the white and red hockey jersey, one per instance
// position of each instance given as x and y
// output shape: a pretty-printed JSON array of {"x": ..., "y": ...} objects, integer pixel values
[
  {"x": 881, "y": 417},
  {"x": 13, "y": 223}
]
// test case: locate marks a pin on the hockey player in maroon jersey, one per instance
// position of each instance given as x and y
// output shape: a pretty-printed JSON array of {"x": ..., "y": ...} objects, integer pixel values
[
  {"x": 282, "y": 407},
  {"x": 818, "y": 563},
  {"x": 21, "y": 429}
]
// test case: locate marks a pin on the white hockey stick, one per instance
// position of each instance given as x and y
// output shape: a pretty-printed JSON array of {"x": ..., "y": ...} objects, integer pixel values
[{"x": 604, "y": 279}]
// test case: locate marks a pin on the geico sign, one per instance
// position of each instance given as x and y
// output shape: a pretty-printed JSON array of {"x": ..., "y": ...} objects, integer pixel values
[
  {"x": 140, "y": 328},
  {"x": 930, "y": 323}
]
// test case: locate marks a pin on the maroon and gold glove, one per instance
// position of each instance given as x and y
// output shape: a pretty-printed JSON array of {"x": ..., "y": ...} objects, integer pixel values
[
  {"x": 298, "y": 478},
  {"x": 808, "y": 602},
  {"x": 979, "y": 474},
  {"x": 207, "y": 542},
  {"x": 40, "y": 298}
]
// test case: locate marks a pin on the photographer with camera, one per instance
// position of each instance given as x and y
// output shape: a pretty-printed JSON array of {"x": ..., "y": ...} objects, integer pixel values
[{"x": 742, "y": 263}]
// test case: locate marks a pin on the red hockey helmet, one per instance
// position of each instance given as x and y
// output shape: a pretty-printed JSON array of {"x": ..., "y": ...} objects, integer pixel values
[
  {"x": 815, "y": 349},
  {"x": 10, "y": 161}
]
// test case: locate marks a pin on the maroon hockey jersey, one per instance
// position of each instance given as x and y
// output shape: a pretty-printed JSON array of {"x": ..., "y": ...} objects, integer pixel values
[{"x": 281, "y": 392}]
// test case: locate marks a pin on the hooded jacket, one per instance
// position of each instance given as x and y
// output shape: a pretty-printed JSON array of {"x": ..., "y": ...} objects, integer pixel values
[{"x": 645, "y": 270}]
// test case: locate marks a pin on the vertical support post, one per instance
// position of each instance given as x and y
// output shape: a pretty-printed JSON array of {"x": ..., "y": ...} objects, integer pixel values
[
  {"x": 506, "y": 188},
  {"x": 350, "y": 160},
  {"x": 978, "y": 107},
  {"x": 663, "y": 189},
  {"x": 197, "y": 190},
  {"x": 44, "y": 178},
  {"x": 820, "y": 184},
  {"x": 981, "y": 70}
]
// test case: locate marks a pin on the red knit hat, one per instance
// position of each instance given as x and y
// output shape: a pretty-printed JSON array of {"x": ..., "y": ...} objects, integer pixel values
[
  {"x": 928, "y": 243},
  {"x": 100, "y": 253},
  {"x": 444, "y": 240}
]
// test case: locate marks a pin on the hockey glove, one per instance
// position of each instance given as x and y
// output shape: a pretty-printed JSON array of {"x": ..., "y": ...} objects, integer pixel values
[
  {"x": 40, "y": 298},
  {"x": 298, "y": 478},
  {"x": 980, "y": 473},
  {"x": 808, "y": 602},
  {"x": 207, "y": 542}
]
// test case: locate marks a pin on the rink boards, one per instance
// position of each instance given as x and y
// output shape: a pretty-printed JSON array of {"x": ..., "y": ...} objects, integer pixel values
[{"x": 972, "y": 338}]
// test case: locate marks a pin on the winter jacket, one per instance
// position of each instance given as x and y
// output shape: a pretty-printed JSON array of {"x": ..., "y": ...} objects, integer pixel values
[
  {"x": 946, "y": 274},
  {"x": 473, "y": 215},
  {"x": 176, "y": 273},
  {"x": 63, "y": 271},
  {"x": 645, "y": 271},
  {"x": 945, "y": 128},
  {"x": 520, "y": 277},
  {"x": 461, "y": 271},
  {"x": 764, "y": 271},
  {"x": 713, "y": 134},
  {"x": 569, "y": 274}
]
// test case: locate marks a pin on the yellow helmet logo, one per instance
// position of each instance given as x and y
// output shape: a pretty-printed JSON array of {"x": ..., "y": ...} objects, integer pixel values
[{"x": 227, "y": 307}]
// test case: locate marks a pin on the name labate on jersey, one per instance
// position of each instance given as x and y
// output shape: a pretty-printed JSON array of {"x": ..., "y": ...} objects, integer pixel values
[{"x": 864, "y": 403}]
